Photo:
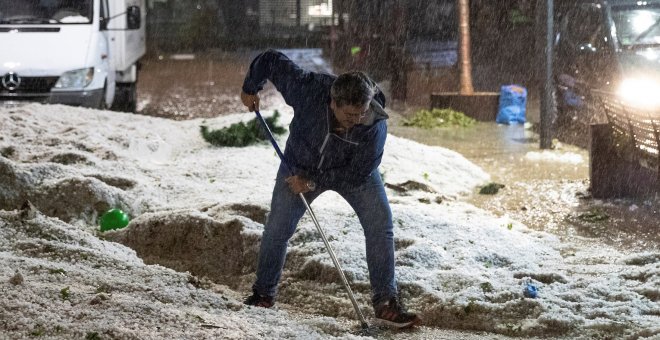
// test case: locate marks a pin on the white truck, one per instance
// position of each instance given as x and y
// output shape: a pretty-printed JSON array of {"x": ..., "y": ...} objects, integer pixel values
[{"x": 74, "y": 52}]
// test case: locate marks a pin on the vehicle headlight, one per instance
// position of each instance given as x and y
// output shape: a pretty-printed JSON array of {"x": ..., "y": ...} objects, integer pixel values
[
  {"x": 76, "y": 78},
  {"x": 640, "y": 92}
]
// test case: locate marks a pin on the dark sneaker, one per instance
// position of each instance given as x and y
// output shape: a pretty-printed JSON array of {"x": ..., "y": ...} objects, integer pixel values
[
  {"x": 257, "y": 300},
  {"x": 391, "y": 313}
]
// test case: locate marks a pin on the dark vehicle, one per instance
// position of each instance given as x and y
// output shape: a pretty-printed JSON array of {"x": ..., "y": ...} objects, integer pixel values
[{"x": 613, "y": 46}]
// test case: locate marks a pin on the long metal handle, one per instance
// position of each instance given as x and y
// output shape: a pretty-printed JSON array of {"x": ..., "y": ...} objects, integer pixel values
[
  {"x": 316, "y": 223},
  {"x": 334, "y": 260},
  {"x": 273, "y": 141}
]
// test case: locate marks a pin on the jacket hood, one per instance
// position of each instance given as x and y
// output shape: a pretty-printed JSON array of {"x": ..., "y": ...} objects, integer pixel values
[
  {"x": 376, "y": 107},
  {"x": 376, "y": 113}
]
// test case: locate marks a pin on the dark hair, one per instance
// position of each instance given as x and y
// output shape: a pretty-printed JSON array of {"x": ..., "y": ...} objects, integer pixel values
[{"x": 353, "y": 88}]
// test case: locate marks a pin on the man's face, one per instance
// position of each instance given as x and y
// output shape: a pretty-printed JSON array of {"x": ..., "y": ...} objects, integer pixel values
[{"x": 349, "y": 115}]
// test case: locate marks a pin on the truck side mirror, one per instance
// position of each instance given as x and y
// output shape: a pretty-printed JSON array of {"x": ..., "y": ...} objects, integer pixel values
[{"x": 133, "y": 18}]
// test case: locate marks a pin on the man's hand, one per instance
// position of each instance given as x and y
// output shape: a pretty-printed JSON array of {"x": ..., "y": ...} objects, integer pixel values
[
  {"x": 251, "y": 101},
  {"x": 299, "y": 184}
]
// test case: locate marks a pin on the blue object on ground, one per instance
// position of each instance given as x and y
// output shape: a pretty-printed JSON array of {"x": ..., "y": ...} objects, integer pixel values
[
  {"x": 513, "y": 104},
  {"x": 531, "y": 291}
]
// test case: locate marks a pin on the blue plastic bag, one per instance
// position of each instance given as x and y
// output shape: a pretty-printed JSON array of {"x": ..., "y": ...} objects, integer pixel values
[
  {"x": 531, "y": 291},
  {"x": 513, "y": 103}
]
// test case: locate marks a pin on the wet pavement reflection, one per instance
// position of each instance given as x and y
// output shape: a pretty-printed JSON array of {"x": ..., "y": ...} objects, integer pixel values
[{"x": 546, "y": 190}]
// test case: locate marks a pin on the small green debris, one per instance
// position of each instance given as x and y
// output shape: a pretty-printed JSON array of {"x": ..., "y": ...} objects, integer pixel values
[
  {"x": 594, "y": 215},
  {"x": 242, "y": 134},
  {"x": 509, "y": 226},
  {"x": 65, "y": 294},
  {"x": 486, "y": 287},
  {"x": 426, "y": 176},
  {"x": 491, "y": 188},
  {"x": 429, "y": 119},
  {"x": 92, "y": 336}
]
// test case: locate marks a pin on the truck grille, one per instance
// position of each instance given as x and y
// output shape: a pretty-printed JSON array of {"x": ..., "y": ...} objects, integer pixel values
[{"x": 30, "y": 85}]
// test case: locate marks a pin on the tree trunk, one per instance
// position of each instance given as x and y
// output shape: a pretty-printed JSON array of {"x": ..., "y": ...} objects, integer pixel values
[{"x": 465, "y": 63}]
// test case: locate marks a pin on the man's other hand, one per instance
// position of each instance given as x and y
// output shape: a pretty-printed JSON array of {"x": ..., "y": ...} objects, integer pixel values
[
  {"x": 251, "y": 101},
  {"x": 299, "y": 184}
]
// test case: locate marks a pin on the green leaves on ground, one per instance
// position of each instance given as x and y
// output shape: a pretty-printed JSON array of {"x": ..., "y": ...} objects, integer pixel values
[
  {"x": 594, "y": 215},
  {"x": 242, "y": 134},
  {"x": 491, "y": 188},
  {"x": 438, "y": 118},
  {"x": 92, "y": 336},
  {"x": 65, "y": 293}
]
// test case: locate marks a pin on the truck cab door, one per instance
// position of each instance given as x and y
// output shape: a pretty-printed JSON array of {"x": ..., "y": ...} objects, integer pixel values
[{"x": 104, "y": 18}]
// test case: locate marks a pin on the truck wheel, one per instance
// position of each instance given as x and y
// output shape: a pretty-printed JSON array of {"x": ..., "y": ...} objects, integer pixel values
[
  {"x": 125, "y": 98},
  {"x": 102, "y": 105}
]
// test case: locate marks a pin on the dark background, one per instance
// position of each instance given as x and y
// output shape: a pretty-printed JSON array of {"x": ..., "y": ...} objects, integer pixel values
[{"x": 412, "y": 43}]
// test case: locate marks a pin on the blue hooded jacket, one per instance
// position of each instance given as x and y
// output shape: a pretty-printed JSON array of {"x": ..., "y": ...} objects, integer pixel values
[{"x": 313, "y": 150}]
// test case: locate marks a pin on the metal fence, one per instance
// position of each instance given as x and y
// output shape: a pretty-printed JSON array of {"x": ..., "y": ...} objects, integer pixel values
[{"x": 637, "y": 129}]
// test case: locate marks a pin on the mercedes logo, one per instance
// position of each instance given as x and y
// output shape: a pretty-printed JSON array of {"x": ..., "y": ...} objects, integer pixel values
[{"x": 11, "y": 81}]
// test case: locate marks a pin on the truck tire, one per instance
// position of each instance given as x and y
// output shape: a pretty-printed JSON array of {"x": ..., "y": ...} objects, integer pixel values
[
  {"x": 125, "y": 98},
  {"x": 102, "y": 105}
]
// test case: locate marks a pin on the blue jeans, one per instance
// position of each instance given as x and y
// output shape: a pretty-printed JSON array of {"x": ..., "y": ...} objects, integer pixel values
[{"x": 369, "y": 202}]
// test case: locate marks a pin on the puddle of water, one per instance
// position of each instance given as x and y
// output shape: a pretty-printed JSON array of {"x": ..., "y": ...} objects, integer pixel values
[
  {"x": 501, "y": 150},
  {"x": 546, "y": 190}
]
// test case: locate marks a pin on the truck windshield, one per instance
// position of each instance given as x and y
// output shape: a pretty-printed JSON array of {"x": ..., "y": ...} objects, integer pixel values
[
  {"x": 637, "y": 26},
  {"x": 26, "y": 12}
]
